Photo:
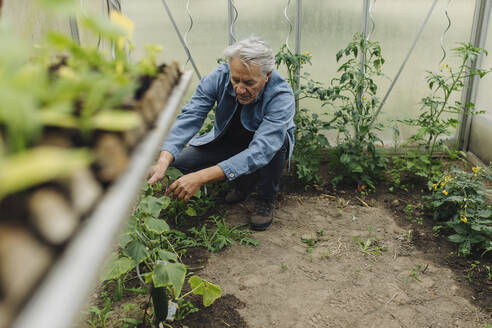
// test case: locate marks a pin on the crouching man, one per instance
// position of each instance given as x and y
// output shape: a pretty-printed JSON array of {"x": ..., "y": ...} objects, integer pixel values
[{"x": 252, "y": 136}]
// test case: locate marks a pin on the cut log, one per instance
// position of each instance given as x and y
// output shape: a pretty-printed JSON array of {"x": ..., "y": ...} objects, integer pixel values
[
  {"x": 84, "y": 191},
  {"x": 52, "y": 215},
  {"x": 5, "y": 314},
  {"x": 111, "y": 158},
  {"x": 23, "y": 260}
]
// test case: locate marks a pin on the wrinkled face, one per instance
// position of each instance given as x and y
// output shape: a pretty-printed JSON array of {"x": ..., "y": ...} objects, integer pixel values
[{"x": 247, "y": 82}]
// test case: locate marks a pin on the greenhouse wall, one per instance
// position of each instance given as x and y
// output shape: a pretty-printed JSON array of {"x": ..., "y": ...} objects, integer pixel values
[
  {"x": 327, "y": 26},
  {"x": 481, "y": 127},
  {"x": 29, "y": 21}
]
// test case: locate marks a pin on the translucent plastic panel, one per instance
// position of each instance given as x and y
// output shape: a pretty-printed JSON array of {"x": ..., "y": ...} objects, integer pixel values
[
  {"x": 206, "y": 40},
  {"x": 397, "y": 24},
  {"x": 328, "y": 25},
  {"x": 481, "y": 128},
  {"x": 96, "y": 9},
  {"x": 30, "y": 22},
  {"x": 266, "y": 20}
]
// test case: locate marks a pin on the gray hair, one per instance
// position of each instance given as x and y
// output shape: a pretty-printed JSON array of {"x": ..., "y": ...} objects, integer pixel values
[{"x": 252, "y": 50}]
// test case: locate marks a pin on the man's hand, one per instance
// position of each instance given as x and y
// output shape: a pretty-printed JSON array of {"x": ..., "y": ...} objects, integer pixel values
[
  {"x": 186, "y": 186},
  {"x": 158, "y": 171}
]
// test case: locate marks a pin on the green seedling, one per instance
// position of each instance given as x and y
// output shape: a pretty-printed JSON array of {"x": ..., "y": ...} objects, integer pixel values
[
  {"x": 284, "y": 267},
  {"x": 370, "y": 246},
  {"x": 98, "y": 318}
]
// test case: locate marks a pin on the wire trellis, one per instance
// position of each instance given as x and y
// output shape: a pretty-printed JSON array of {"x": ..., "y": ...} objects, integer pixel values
[
  {"x": 443, "y": 35},
  {"x": 291, "y": 25},
  {"x": 233, "y": 18},
  {"x": 190, "y": 26}
]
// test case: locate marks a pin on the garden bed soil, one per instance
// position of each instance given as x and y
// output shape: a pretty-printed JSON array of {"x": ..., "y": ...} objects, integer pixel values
[{"x": 309, "y": 271}]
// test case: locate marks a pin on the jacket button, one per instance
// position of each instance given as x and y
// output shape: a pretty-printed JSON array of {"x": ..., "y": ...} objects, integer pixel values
[{"x": 231, "y": 175}]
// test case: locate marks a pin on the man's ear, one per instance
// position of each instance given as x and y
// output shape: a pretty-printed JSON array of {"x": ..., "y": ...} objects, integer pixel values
[{"x": 268, "y": 76}]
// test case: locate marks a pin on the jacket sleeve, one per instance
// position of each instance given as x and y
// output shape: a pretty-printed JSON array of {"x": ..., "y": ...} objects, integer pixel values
[
  {"x": 192, "y": 116},
  {"x": 267, "y": 140}
]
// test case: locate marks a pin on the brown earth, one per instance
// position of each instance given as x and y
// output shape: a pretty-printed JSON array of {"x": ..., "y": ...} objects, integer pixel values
[
  {"x": 285, "y": 282},
  {"x": 315, "y": 268}
]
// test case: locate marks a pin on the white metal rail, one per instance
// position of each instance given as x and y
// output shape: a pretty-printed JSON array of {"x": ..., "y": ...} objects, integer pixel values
[{"x": 58, "y": 301}]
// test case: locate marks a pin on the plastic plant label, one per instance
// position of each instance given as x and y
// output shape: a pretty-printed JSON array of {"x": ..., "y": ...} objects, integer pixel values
[{"x": 171, "y": 311}]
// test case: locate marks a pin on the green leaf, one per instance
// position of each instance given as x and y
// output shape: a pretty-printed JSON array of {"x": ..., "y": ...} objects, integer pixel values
[
  {"x": 136, "y": 251},
  {"x": 209, "y": 291},
  {"x": 166, "y": 256},
  {"x": 173, "y": 173},
  {"x": 485, "y": 213},
  {"x": 169, "y": 274},
  {"x": 156, "y": 226},
  {"x": 190, "y": 211},
  {"x": 456, "y": 238},
  {"x": 125, "y": 239},
  {"x": 152, "y": 206},
  {"x": 117, "y": 268}
]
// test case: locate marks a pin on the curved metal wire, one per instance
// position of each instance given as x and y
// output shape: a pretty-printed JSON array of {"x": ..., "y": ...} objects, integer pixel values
[
  {"x": 116, "y": 4},
  {"x": 291, "y": 25},
  {"x": 444, "y": 33},
  {"x": 233, "y": 21},
  {"x": 373, "y": 22},
  {"x": 185, "y": 38}
]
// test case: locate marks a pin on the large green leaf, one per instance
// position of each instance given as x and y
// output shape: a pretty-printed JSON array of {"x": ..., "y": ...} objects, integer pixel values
[
  {"x": 169, "y": 274},
  {"x": 117, "y": 268},
  {"x": 457, "y": 238},
  {"x": 136, "y": 251},
  {"x": 485, "y": 213},
  {"x": 209, "y": 291},
  {"x": 166, "y": 256},
  {"x": 125, "y": 239},
  {"x": 156, "y": 226},
  {"x": 173, "y": 173},
  {"x": 152, "y": 206},
  {"x": 40, "y": 165}
]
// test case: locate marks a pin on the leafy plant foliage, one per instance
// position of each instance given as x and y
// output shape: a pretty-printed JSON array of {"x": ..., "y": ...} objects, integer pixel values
[{"x": 460, "y": 201}]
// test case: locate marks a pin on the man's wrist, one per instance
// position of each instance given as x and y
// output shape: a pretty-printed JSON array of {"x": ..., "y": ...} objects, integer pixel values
[{"x": 165, "y": 158}]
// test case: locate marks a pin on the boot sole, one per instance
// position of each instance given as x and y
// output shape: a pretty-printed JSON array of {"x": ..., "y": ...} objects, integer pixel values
[{"x": 260, "y": 227}]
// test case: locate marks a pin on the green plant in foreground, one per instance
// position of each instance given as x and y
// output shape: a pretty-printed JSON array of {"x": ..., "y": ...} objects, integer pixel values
[
  {"x": 459, "y": 200},
  {"x": 146, "y": 249},
  {"x": 353, "y": 98},
  {"x": 438, "y": 116}
]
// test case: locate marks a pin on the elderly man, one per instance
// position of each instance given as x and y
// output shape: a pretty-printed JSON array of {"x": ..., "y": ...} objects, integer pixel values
[{"x": 252, "y": 136}]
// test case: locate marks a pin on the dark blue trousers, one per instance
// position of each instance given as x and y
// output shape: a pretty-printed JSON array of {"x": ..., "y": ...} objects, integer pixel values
[{"x": 267, "y": 178}]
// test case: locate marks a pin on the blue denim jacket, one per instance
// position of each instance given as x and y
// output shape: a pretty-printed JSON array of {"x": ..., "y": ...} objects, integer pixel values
[{"x": 270, "y": 117}]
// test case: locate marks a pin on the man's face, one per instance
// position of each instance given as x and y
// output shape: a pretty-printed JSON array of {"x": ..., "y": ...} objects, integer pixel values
[{"x": 247, "y": 82}]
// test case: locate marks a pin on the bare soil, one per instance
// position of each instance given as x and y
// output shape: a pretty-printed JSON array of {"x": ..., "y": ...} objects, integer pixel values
[
  {"x": 335, "y": 259},
  {"x": 285, "y": 282}
]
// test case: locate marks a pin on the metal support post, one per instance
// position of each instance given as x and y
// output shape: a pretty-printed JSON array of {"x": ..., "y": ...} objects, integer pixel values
[
  {"x": 469, "y": 95},
  {"x": 404, "y": 63},
  {"x": 298, "y": 48}
]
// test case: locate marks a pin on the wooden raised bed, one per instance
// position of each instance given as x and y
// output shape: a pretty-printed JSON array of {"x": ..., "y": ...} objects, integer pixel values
[{"x": 55, "y": 237}]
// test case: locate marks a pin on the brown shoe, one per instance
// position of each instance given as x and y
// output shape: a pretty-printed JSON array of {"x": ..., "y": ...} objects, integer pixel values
[{"x": 262, "y": 216}]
